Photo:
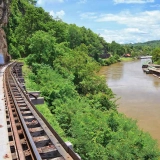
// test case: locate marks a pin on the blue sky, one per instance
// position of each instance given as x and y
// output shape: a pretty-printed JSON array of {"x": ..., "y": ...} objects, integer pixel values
[{"x": 123, "y": 21}]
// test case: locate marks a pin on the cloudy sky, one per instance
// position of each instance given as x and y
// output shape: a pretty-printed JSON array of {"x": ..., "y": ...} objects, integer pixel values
[{"x": 123, "y": 21}]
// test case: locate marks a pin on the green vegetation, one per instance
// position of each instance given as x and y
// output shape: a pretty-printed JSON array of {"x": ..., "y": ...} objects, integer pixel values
[
  {"x": 145, "y": 49},
  {"x": 156, "y": 55},
  {"x": 51, "y": 119},
  {"x": 112, "y": 59},
  {"x": 152, "y": 44},
  {"x": 150, "y": 48},
  {"x": 126, "y": 59},
  {"x": 63, "y": 61}
]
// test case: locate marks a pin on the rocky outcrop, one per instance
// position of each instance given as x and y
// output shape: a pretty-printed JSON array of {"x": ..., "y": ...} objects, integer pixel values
[
  {"x": 3, "y": 46},
  {"x": 4, "y": 13}
]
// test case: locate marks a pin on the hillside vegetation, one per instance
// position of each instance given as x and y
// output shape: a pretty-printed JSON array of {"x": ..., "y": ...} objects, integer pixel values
[
  {"x": 152, "y": 44},
  {"x": 63, "y": 62},
  {"x": 147, "y": 48},
  {"x": 153, "y": 49}
]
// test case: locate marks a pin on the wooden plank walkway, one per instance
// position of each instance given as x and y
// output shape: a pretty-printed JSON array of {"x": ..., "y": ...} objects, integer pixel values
[{"x": 154, "y": 70}]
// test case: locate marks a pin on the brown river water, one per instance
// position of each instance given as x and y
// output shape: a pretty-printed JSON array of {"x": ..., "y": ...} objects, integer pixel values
[{"x": 139, "y": 94}]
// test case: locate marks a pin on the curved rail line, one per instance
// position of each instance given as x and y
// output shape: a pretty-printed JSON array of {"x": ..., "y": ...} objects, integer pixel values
[{"x": 30, "y": 135}]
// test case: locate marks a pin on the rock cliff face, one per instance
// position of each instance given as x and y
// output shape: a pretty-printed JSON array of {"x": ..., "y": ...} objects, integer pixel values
[{"x": 4, "y": 14}]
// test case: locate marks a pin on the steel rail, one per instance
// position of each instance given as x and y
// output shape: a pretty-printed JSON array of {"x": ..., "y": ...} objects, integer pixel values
[
  {"x": 43, "y": 125},
  {"x": 66, "y": 152},
  {"x": 21, "y": 147},
  {"x": 23, "y": 122},
  {"x": 15, "y": 132},
  {"x": 52, "y": 131}
]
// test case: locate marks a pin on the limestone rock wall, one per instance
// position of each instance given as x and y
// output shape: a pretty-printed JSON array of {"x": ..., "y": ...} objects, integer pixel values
[{"x": 4, "y": 14}]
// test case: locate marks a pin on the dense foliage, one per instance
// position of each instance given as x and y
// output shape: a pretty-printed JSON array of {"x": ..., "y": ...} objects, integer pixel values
[
  {"x": 156, "y": 55},
  {"x": 146, "y": 48},
  {"x": 64, "y": 61},
  {"x": 152, "y": 44}
]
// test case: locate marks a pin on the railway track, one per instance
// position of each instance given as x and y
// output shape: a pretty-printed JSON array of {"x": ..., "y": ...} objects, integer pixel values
[{"x": 30, "y": 135}]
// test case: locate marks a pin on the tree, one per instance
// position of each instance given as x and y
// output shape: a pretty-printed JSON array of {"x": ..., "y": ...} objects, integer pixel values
[
  {"x": 156, "y": 55},
  {"x": 74, "y": 36},
  {"x": 42, "y": 48}
]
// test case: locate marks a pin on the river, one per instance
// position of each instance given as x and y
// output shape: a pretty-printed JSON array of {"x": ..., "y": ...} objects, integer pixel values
[{"x": 139, "y": 94}]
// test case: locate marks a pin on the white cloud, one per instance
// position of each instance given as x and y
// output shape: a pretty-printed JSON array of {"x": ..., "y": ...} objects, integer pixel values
[
  {"x": 130, "y": 35},
  {"x": 142, "y": 19},
  {"x": 133, "y": 1},
  {"x": 88, "y": 15},
  {"x": 139, "y": 27},
  {"x": 42, "y": 2},
  {"x": 58, "y": 14}
]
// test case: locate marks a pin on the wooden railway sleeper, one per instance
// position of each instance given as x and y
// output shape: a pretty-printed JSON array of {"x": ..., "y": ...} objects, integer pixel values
[
  {"x": 18, "y": 136},
  {"x": 22, "y": 120},
  {"x": 45, "y": 145},
  {"x": 15, "y": 137}
]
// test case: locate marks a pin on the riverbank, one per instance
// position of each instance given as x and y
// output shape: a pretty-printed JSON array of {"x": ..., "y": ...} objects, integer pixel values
[
  {"x": 114, "y": 59},
  {"x": 126, "y": 59}
]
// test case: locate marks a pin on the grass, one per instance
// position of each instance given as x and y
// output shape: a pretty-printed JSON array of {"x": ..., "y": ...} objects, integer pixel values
[
  {"x": 44, "y": 110},
  {"x": 30, "y": 85},
  {"x": 126, "y": 59}
]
